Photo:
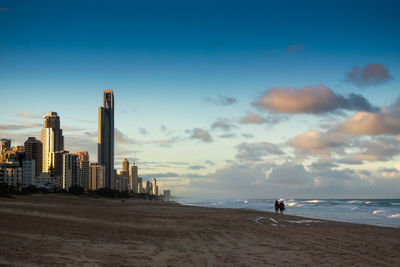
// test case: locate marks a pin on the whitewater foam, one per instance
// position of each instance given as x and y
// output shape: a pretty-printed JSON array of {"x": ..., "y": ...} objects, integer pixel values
[
  {"x": 383, "y": 212},
  {"x": 313, "y": 201}
]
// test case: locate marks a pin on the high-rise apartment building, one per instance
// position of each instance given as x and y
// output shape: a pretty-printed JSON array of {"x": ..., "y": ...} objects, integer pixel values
[
  {"x": 96, "y": 177},
  {"x": 125, "y": 165},
  {"x": 154, "y": 187},
  {"x": 133, "y": 178},
  {"x": 28, "y": 172},
  {"x": 5, "y": 144},
  {"x": 11, "y": 174},
  {"x": 84, "y": 167},
  {"x": 52, "y": 139},
  {"x": 140, "y": 186},
  {"x": 71, "y": 171},
  {"x": 33, "y": 150},
  {"x": 106, "y": 138},
  {"x": 148, "y": 187}
]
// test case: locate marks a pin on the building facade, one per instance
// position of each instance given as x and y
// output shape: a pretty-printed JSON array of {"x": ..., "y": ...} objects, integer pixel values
[
  {"x": 71, "y": 171},
  {"x": 52, "y": 139},
  {"x": 106, "y": 138},
  {"x": 33, "y": 150},
  {"x": 11, "y": 174},
  {"x": 133, "y": 178},
  {"x": 84, "y": 168},
  {"x": 28, "y": 172},
  {"x": 96, "y": 177}
]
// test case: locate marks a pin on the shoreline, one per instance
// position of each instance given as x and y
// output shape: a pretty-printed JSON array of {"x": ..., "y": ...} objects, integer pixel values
[
  {"x": 48, "y": 230},
  {"x": 349, "y": 216}
]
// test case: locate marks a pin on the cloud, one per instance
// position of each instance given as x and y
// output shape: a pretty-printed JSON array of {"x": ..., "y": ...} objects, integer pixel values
[
  {"x": 21, "y": 126},
  {"x": 252, "y": 118},
  {"x": 163, "y": 142},
  {"x": 28, "y": 115},
  {"x": 71, "y": 128},
  {"x": 160, "y": 175},
  {"x": 291, "y": 180},
  {"x": 311, "y": 100},
  {"x": 382, "y": 148},
  {"x": 385, "y": 122},
  {"x": 294, "y": 48},
  {"x": 222, "y": 100},
  {"x": 227, "y": 136},
  {"x": 193, "y": 175},
  {"x": 81, "y": 142},
  {"x": 221, "y": 124},
  {"x": 202, "y": 135},
  {"x": 247, "y": 135},
  {"x": 372, "y": 74},
  {"x": 256, "y": 151},
  {"x": 91, "y": 134},
  {"x": 196, "y": 167},
  {"x": 122, "y": 138},
  {"x": 143, "y": 131},
  {"x": 316, "y": 142},
  {"x": 290, "y": 174},
  {"x": 209, "y": 162}
]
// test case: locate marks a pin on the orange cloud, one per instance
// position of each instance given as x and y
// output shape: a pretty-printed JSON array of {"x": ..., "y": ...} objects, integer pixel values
[
  {"x": 386, "y": 122},
  {"x": 310, "y": 100}
]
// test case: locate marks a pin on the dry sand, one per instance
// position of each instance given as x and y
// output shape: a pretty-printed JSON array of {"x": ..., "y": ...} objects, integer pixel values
[{"x": 65, "y": 230}]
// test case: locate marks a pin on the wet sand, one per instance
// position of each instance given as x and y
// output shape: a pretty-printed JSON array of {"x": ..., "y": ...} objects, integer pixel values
[{"x": 66, "y": 230}]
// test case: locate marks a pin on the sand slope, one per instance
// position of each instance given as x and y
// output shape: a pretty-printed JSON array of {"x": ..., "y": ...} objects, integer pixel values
[{"x": 65, "y": 230}]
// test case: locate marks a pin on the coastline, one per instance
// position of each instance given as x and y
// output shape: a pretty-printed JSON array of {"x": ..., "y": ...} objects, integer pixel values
[
  {"x": 68, "y": 230},
  {"x": 378, "y": 212}
]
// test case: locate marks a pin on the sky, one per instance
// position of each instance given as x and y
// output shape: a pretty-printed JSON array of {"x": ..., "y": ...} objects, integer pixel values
[{"x": 216, "y": 99}]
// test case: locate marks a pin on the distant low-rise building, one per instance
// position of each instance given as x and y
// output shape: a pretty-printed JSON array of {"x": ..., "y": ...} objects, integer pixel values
[
  {"x": 11, "y": 174},
  {"x": 167, "y": 195}
]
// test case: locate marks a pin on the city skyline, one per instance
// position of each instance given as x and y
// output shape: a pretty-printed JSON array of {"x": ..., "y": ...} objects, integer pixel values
[{"x": 213, "y": 103}]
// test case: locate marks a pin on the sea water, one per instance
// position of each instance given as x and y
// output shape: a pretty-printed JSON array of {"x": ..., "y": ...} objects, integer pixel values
[{"x": 382, "y": 212}]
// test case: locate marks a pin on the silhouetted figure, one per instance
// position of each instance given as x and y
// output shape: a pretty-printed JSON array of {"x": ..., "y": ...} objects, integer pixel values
[
  {"x": 276, "y": 206},
  {"x": 281, "y": 207}
]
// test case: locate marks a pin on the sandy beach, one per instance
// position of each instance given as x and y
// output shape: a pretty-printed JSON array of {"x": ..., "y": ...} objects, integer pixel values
[{"x": 66, "y": 230}]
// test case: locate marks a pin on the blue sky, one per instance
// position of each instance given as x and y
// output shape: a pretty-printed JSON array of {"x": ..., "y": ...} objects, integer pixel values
[{"x": 173, "y": 66}]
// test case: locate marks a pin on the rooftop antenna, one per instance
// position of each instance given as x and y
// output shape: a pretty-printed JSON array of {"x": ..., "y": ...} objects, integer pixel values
[{"x": 134, "y": 161}]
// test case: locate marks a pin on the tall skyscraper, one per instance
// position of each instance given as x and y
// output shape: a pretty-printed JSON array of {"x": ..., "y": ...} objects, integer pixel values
[
  {"x": 133, "y": 178},
  {"x": 125, "y": 165},
  {"x": 34, "y": 149},
  {"x": 84, "y": 167},
  {"x": 52, "y": 139},
  {"x": 5, "y": 144},
  {"x": 154, "y": 187},
  {"x": 106, "y": 138}
]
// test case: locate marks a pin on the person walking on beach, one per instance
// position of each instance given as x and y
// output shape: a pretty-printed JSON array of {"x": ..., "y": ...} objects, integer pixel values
[
  {"x": 276, "y": 206},
  {"x": 281, "y": 207}
]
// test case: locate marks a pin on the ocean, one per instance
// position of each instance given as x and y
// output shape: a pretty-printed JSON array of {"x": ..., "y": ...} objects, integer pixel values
[{"x": 381, "y": 212}]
